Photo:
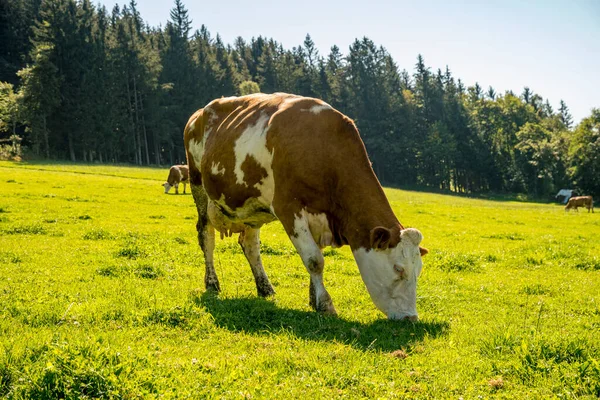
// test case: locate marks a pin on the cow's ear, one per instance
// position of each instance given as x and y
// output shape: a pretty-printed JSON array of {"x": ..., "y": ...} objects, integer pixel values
[
  {"x": 423, "y": 251},
  {"x": 380, "y": 238}
]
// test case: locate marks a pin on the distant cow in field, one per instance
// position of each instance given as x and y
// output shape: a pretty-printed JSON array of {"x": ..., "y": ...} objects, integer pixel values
[
  {"x": 257, "y": 158},
  {"x": 177, "y": 174},
  {"x": 581, "y": 201}
]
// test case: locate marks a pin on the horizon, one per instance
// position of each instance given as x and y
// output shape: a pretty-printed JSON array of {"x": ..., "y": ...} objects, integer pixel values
[{"x": 551, "y": 47}]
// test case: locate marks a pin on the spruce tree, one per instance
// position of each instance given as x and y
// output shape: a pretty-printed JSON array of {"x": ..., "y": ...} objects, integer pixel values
[{"x": 565, "y": 115}]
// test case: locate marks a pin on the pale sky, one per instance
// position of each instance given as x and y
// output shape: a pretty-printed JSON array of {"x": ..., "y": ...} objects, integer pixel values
[{"x": 551, "y": 46}]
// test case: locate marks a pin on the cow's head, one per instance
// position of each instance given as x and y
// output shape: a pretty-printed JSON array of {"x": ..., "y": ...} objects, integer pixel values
[
  {"x": 167, "y": 186},
  {"x": 390, "y": 270}
]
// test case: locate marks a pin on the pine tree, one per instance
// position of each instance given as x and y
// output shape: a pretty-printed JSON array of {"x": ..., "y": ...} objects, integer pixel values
[
  {"x": 180, "y": 20},
  {"x": 334, "y": 68},
  {"x": 565, "y": 115},
  {"x": 227, "y": 82},
  {"x": 267, "y": 70},
  {"x": 527, "y": 94}
]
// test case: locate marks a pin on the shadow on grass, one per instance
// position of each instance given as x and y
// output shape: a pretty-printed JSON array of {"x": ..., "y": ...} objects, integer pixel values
[{"x": 260, "y": 316}]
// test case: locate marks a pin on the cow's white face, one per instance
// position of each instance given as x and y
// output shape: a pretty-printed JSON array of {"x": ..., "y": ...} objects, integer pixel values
[
  {"x": 391, "y": 275},
  {"x": 167, "y": 187}
]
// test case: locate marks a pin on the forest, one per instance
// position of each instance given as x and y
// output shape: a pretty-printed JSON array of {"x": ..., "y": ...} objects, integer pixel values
[{"x": 83, "y": 83}]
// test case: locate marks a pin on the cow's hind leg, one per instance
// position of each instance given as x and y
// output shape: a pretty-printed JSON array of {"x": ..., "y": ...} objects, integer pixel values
[
  {"x": 250, "y": 241},
  {"x": 319, "y": 298},
  {"x": 206, "y": 237}
]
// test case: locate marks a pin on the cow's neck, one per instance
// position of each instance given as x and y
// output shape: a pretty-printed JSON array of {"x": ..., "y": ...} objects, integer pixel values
[{"x": 363, "y": 206}]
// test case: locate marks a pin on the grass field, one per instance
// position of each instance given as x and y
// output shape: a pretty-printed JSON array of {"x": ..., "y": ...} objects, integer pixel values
[{"x": 101, "y": 295}]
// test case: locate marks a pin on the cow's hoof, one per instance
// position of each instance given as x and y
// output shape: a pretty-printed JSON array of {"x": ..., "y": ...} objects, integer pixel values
[
  {"x": 325, "y": 305},
  {"x": 266, "y": 292},
  {"x": 327, "y": 309},
  {"x": 213, "y": 286}
]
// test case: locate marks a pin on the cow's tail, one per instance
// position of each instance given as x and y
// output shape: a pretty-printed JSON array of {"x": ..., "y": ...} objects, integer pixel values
[{"x": 194, "y": 130}]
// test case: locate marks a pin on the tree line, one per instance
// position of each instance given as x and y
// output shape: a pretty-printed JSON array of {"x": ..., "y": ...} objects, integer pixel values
[{"x": 83, "y": 83}]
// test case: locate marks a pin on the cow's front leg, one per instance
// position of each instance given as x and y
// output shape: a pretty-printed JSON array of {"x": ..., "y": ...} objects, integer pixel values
[
  {"x": 313, "y": 260},
  {"x": 250, "y": 241},
  {"x": 177, "y": 188}
]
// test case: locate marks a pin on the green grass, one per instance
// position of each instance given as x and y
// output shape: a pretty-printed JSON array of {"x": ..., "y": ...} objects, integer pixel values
[{"x": 101, "y": 295}]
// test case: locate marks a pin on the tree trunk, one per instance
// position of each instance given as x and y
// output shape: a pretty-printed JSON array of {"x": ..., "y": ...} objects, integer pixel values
[
  {"x": 132, "y": 123},
  {"x": 46, "y": 140},
  {"x": 156, "y": 147},
  {"x": 71, "y": 147},
  {"x": 144, "y": 131},
  {"x": 137, "y": 122}
]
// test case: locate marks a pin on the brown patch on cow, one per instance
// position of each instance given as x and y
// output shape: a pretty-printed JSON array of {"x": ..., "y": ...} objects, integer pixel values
[{"x": 254, "y": 173}]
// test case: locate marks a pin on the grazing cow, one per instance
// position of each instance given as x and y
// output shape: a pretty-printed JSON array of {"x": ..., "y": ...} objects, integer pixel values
[
  {"x": 257, "y": 158},
  {"x": 177, "y": 174},
  {"x": 581, "y": 201}
]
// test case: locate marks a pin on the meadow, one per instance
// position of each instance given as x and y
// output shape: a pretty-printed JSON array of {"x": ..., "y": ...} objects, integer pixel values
[{"x": 101, "y": 295}]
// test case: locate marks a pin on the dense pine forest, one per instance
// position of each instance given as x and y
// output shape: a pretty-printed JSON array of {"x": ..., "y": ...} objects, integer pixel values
[{"x": 84, "y": 83}]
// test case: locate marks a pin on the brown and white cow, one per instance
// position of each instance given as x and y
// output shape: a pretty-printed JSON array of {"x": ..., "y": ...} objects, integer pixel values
[
  {"x": 257, "y": 158},
  {"x": 177, "y": 174},
  {"x": 581, "y": 201}
]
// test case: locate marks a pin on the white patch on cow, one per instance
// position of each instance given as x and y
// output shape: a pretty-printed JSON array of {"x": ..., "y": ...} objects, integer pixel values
[
  {"x": 179, "y": 175},
  {"x": 394, "y": 296},
  {"x": 307, "y": 249},
  {"x": 196, "y": 150},
  {"x": 167, "y": 187},
  {"x": 319, "y": 229},
  {"x": 216, "y": 169},
  {"x": 193, "y": 124},
  {"x": 319, "y": 107},
  {"x": 253, "y": 142}
]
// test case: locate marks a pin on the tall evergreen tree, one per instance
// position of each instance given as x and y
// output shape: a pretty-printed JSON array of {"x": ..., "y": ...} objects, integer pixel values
[{"x": 565, "y": 115}]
